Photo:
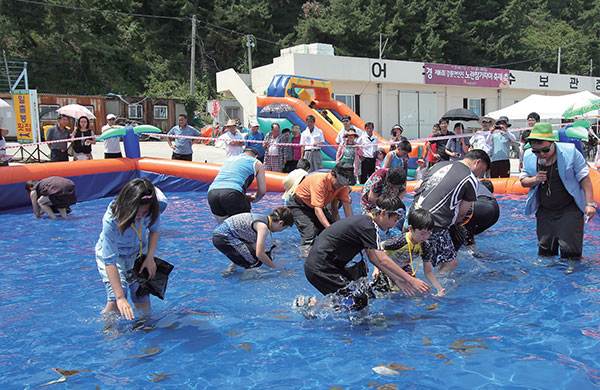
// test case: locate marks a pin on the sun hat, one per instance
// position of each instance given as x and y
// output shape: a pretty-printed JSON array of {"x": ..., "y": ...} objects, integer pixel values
[
  {"x": 397, "y": 126},
  {"x": 111, "y": 116},
  {"x": 232, "y": 122},
  {"x": 486, "y": 118},
  {"x": 344, "y": 172},
  {"x": 253, "y": 122},
  {"x": 349, "y": 133},
  {"x": 291, "y": 182},
  {"x": 419, "y": 161},
  {"x": 542, "y": 132},
  {"x": 505, "y": 120}
]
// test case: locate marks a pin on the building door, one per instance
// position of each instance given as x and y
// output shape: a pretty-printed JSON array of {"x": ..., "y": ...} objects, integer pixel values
[{"x": 417, "y": 112}]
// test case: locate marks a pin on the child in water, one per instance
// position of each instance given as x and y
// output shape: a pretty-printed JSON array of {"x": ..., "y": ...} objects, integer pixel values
[
  {"x": 408, "y": 250},
  {"x": 130, "y": 226},
  {"x": 242, "y": 237}
]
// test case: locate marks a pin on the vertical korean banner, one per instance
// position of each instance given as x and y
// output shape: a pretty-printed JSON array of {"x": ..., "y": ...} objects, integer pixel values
[{"x": 26, "y": 115}]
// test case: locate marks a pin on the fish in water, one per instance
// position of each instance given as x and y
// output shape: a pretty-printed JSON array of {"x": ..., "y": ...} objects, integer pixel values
[
  {"x": 461, "y": 346},
  {"x": 159, "y": 377},
  {"x": 433, "y": 306},
  {"x": 399, "y": 367},
  {"x": 245, "y": 346},
  {"x": 68, "y": 373},
  {"x": 384, "y": 370},
  {"x": 426, "y": 340},
  {"x": 149, "y": 352}
]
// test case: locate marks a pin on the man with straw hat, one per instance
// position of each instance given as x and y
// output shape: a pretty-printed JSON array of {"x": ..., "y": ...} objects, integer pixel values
[
  {"x": 561, "y": 194},
  {"x": 233, "y": 139}
]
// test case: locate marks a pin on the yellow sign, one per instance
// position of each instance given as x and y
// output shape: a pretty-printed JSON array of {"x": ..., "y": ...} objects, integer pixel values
[{"x": 23, "y": 117}]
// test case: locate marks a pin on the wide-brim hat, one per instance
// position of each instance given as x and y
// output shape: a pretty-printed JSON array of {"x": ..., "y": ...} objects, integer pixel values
[
  {"x": 542, "y": 132},
  {"x": 350, "y": 132},
  {"x": 232, "y": 122},
  {"x": 253, "y": 122},
  {"x": 505, "y": 120},
  {"x": 291, "y": 182},
  {"x": 344, "y": 172},
  {"x": 492, "y": 120},
  {"x": 3, "y": 131}
]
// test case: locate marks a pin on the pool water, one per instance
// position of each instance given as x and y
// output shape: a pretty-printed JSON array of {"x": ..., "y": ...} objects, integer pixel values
[{"x": 505, "y": 322}]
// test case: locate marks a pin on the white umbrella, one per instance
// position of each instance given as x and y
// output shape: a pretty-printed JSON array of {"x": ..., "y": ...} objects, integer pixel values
[
  {"x": 3, "y": 104},
  {"x": 75, "y": 111}
]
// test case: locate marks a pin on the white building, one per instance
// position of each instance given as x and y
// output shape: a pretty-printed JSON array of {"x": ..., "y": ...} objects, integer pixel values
[{"x": 387, "y": 92}]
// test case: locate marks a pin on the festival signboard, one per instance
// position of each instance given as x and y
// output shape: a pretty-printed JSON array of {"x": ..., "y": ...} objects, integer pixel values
[{"x": 467, "y": 76}]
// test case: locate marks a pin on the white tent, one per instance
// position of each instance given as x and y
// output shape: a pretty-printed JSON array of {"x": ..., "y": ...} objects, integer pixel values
[{"x": 549, "y": 107}]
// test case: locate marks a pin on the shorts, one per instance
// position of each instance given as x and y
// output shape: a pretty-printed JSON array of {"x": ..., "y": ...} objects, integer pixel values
[
  {"x": 184, "y": 157},
  {"x": 560, "y": 229},
  {"x": 333, "y": 280},
  {"x": 239, "y": 252},
  {"x": 112, "y": 155},
  {"x": 132, "y": 287},
  {"x": 442, "y": 248},
  {"x": 227, "y": 202}
]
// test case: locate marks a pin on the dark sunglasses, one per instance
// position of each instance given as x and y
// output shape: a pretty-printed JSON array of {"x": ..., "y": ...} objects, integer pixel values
[{"x": 543, "y": 150}]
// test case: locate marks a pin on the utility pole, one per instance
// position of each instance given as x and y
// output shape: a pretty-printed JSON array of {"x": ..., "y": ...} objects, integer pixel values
[
  {"x": 558, "y": 65},
  {"x": 249, "y": 45},
  {"x": 193, "y": 59},
  {"x": 381, "y": 49},
  {"x": 591, "y": 66}
]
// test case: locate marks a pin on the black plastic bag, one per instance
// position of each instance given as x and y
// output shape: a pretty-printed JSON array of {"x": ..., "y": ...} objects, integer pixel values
[{"x": 158, "y": 285}]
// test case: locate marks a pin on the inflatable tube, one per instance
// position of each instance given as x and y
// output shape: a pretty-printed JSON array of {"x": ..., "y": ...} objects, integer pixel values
[{"x": 98, "y": 178}]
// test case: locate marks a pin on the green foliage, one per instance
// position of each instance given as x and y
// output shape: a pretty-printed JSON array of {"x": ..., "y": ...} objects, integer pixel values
[{"x": 77, "y": 49}]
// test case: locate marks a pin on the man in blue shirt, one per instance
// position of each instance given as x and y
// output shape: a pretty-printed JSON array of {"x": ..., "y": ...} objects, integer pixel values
[
  {"x": 256, "y": 135},
  {"x": 182, "y": 147}
]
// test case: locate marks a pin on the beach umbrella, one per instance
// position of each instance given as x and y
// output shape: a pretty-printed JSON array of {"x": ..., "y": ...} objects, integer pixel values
[
  {"x": 579, "y": 129},
  {"x": 75, "y": 111},
  {"x": 277, "y": 108},
  {"x": 582, "y": 107},
  {"x": 460, "y": 114}
]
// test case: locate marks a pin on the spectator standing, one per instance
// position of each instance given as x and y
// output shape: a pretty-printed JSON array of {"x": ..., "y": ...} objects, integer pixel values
[
  {"x": 182, "y": 147},
  {"x": 347, "y": 122},
  {"x": 82, "y": 148},
  {"x": 112, "y": 146},
  {"x": 274, "y": 151},
  {"x": 431, "y": 155},
  {"x": 500, "y": 139},
  {"x": 3, "y": 158},
  {"x": 58, "y": 150},
  {"x": 348, "y": 151},
  {"x": 532, "y": 119},
  {"x": 368, "y": 141},
  {"x": 296, "y": 154},
  {"x": 256, "y": 135},
  {"x": 457, "y": 147},
  {"x": 312, "y": 140},
  {"x": 232, "y": 139},
  {"x": 397, "y": 136},
  {"x": 443, "y": 152}
]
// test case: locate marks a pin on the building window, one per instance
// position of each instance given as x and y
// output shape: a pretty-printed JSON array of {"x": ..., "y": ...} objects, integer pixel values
[
  {"x": 161, "y": 112},
  {"x": 232, "y": 112},
  {"x": 135, "y": 111},
  {"x": 347, "y": 100},
  {"x": 49, "y": 112},
  {"x": 475, "y": 104}
]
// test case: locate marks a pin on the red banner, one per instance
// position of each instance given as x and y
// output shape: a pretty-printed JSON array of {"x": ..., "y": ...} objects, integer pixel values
[
  {"x": 216, "y": 107},
  {"x": 468, "y": 76}
]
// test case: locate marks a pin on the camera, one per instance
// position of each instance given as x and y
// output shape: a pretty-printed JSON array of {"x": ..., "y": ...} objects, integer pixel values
[{"x": 498, "y": 127}]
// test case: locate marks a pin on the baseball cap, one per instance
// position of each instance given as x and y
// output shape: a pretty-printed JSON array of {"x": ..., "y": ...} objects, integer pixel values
[{"x": 111, "y": 116}]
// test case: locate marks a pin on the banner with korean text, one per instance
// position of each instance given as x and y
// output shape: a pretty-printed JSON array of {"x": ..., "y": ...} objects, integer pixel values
[
  {"x": 26, "y": 115},
  {"x": 466, "y": 76}
]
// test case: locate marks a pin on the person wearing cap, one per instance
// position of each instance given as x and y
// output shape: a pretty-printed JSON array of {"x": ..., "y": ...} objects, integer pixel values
[
  {"x": 368, "y": 142},
  {"x": 561, "y": 194},
  {"x": 478, "y": 140},
  {"x": 182, "y": 147},
  {"x": 312, "y": 140},
  {"x": 348, "y": 151},
  {"x": 347, "y": 123},
  {"x": 3, "y": 158},
  {"x": 227, "y": 193},
  {"x": 58, "y": 150},
  {"x": 397, "y": 136},
  {"x": 274, "y": 150},
  {"x": 256, "y": 135},
  {"x": 532, "y": 119},
  {"x": 421, "y": 170},
  {"x": 500, "y": 139},
  {"x": 311, "y": 197},
  {"x": 331, "y": 270},
  {"x": 232, "y": 139},
  {"x": 448, "y": 190},
  {"x": 112, "y": 146}
]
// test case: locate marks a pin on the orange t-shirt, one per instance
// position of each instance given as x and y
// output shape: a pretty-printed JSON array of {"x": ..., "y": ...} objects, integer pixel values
[{"x": 316, "y": 190}]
